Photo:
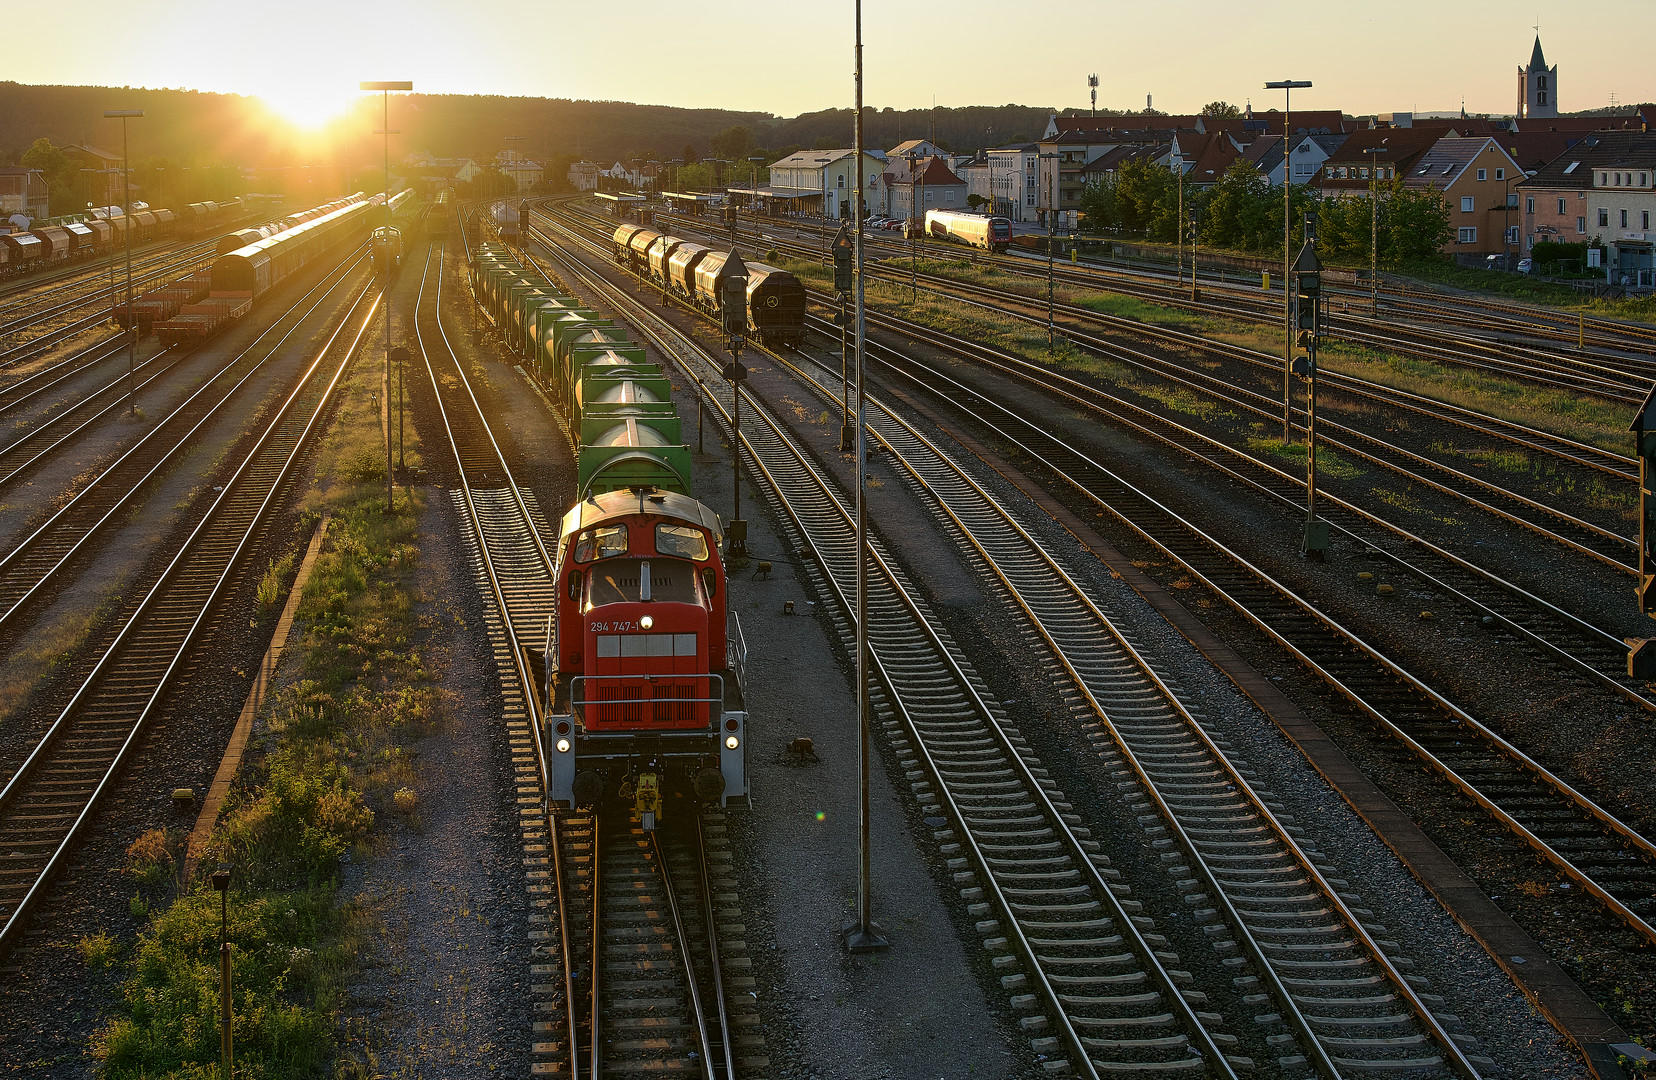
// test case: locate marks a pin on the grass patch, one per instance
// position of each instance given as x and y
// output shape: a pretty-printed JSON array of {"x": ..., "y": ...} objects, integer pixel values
[
  {"x": 332, "y": 752},
  {"x": 1291, "y": 457},
  {"x": 1132, "y": 307}
]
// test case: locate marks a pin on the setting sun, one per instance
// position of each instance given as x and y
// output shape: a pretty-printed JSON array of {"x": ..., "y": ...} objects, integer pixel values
[{"x": 309, "y": 105}]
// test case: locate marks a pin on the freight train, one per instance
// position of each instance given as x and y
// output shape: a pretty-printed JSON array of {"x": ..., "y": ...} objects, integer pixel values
[
  {"x": 192, "y": 309},
  {"x": 105, "y": 228},
  {"x": 695, "y": 273},
  {"x": 979, "y": 230},
  {"x": 644, "y": 681}
]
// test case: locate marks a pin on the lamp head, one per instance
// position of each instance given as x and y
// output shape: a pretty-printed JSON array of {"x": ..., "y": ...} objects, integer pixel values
[{"x": 221, "y": 877}]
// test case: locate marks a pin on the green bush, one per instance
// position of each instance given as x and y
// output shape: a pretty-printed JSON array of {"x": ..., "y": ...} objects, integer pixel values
[{"x": 173, "y": 994}]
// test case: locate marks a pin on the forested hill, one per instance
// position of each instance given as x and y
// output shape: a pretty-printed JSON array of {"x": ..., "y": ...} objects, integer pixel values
[{"x": 202, "y": 128}]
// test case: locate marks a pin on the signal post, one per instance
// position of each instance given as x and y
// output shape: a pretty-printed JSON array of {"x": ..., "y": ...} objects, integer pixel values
[{"x": 1306, "y": 290}]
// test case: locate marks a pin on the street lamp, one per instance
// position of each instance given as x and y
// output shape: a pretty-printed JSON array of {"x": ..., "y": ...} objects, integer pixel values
[
  {"x": 1374, "y": 231},
  {"x": 221, "y": 883},
  {"x": 385, "y": 89},
  {"x": 753, "y": 184},
  {"x": 1287, "y": 86},
  {"x": 126, "y": 212},
  {"x": 862, "y": 935}
]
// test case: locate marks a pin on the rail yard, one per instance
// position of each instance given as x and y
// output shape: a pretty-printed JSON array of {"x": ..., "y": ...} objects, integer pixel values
[{"x": 1158, "y": 785}]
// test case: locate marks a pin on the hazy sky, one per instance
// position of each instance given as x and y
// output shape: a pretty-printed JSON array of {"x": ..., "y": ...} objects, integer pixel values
[{"x": 788, "y": 58}]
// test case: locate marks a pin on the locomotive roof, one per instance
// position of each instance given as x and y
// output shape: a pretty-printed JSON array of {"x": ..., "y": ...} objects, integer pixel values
[{"x": 616, "y": 504}]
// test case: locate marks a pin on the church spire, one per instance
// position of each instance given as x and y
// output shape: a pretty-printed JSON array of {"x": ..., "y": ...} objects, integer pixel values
[{"x": 1538, "y": 62}]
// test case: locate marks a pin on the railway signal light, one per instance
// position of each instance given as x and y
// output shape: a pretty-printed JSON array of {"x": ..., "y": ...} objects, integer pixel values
[{"x": 842, "y": 260}]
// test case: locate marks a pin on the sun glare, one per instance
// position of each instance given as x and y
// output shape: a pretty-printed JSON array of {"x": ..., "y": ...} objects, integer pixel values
[{"x": 309, "y": 107}]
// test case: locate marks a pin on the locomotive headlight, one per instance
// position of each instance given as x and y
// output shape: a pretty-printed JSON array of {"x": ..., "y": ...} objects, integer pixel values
[
  {"x": 646, "y": 622},
  {"x": 732, "y": 743},
  {"x": 563, "y": 746}
]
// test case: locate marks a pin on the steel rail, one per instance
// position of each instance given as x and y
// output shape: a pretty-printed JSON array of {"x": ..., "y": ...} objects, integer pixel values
[
  {"x": 715, "y": 963},
  {"x": 487, "y": 557},
  {"x": 698, "y": 1013},
  {"x": 1289, "y": 490},
  {"x": 61, "y": 526},
  {"x": 977, "y": 515},
  {"x": 1332, "y": 431},
  {"x": 274, "y": 437},
  {"x": 901, "y": 620},
  {"x": 1459, "y": 720},
  {"x": 186, "y": 261}
]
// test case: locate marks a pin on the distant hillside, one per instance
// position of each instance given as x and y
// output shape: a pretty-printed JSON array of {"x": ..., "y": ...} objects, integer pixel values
[{"x": 196, "y": 128}]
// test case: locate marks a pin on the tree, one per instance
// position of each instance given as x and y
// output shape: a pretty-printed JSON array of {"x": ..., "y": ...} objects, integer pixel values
[
  {"x": 689, "y": 154},
  {"x": 60, "y": 173},
  {"x": 825, "y": 142},
  {"x": 733, "y": 143},
  {"x": 1221, "y": 110},
  {"x": 975, "y": 200},
  {"x": 1417, "y": 223}
]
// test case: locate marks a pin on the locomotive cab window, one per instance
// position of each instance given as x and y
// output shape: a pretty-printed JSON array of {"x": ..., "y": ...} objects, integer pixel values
[
  {"x": 681, "y": 541},
  {"x": 601, "y": 542}
]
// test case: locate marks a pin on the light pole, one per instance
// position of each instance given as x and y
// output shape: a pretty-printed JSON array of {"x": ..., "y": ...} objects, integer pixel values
[
  {"x": 221, "y": 883},
  {"x": 1287, "y": 86},
  {"x": 1374, "y": 230},
  {"x": 733, "y": 308},
  {"x": 844, "y": 283},
  {"x": 126, "y": 203},
  {"x": 862, "y": 934},
  {"x": 385, "y": 89}
]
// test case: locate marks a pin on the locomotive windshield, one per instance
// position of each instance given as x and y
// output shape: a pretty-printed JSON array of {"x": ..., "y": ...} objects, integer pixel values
[
  {"x": 632, "y": 581},
  {"x": 601, "y": 542},
  {"x": 681, "y": 540}
]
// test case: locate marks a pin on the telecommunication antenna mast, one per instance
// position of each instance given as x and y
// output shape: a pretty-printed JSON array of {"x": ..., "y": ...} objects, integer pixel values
[{"x": 1092, "y": 85}]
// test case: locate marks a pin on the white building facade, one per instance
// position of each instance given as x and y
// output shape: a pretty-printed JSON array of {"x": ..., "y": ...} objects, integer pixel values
[{"x": 833, "y": 174}]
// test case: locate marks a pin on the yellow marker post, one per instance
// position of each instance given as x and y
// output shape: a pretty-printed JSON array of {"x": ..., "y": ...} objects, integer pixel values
[{"x": 1265, "y": 280}]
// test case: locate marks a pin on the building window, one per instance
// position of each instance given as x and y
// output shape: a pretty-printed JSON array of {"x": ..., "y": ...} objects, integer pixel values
[
  {"x": 1466, "y": 204},
  {"x": 1541, "y": 98},
  {"x": 1604, "y": 217},
  {"x": 1467, "y": 236},
  {"x": 840, "y": 182},
  {"x": 1561, "y": 206},
  {"x": 1029, "y": 200},
  {"x": 1529, "y": 241},
  {"x": 1512, "y": 234},
  {"x": 1644, "y": 219},
  {"x": 1624, "y": 219},
  {"x": 1529, "y": 205},
  {"x": 1500, "y": 174},
  {"x": 1541, "y": 84},
  {"x": 1483, "y": 174},
  {"x": 1604, "y": 179},
  {"x": 1581, "y": 225}
]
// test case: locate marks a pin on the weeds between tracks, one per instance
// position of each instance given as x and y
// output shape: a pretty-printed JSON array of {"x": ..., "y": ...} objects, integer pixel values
[
  {"x": 1587, "y": 419},
  {"x": 329, "y": 758}
]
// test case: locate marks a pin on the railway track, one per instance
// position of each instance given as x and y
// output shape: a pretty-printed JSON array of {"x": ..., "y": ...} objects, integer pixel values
[
  {"x": 1555, "y": 524},
  {"x": 53, "y": 795},
  {"x": 1106, "y": 982},
  {"x": 24, "y": 312},
  {"x": 634, "y": 979},
  {"x": 1586, "y": 842},
  {"x": 42, "y": 559}
]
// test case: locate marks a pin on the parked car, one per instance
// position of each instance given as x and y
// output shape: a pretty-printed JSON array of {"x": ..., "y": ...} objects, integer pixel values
[{"x": 1525, "y": 265}]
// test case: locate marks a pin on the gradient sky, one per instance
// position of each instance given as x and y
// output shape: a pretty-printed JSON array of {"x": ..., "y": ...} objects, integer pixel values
[{"x": 789, "y": 58}]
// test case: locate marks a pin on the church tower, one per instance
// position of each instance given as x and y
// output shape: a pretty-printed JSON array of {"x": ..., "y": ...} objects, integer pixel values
[{"x": 1537, "y": 86}]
